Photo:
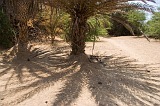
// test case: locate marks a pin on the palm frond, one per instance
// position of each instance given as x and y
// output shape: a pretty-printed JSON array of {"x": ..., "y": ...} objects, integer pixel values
[{"x": 124, "y": 23}]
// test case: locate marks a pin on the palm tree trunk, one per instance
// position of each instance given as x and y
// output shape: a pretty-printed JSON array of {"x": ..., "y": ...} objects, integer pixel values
[
  {"x": 23, "y": 40},
  {"x": 78, "y": 34}
]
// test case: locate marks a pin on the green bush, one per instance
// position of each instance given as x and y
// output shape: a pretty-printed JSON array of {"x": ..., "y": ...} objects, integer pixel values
[
  {"x": 97, "y": 27},
  {"x": 6, "y": 31},
  {"x": 134, "y": 19},
  {"x": 152, "y": 26}
]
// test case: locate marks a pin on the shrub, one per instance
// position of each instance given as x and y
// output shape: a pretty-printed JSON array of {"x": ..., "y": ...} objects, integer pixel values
[
  {"x": 152, "y": 26},
  {"x": 97, "y": 27},
  {"x": 6, "y": 31}
]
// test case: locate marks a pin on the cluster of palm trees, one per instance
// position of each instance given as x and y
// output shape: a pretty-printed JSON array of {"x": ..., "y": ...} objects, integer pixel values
[{"x": 79, "y": 10}]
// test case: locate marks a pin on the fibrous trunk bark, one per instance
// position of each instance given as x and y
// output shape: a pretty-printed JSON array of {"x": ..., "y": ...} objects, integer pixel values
[
  {"x": 23, "y": 14},
  {"x": 78, "y": 34},
  {"x": 23, "y": 41}
]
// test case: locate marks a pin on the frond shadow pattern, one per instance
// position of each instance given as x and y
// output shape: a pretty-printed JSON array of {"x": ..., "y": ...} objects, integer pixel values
[{"x": 114, "y": 81}]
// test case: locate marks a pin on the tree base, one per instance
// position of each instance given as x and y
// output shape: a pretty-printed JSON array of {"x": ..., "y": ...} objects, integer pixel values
[
  {"x": 80, "y": 57},
  {"x": 14, "y": 54}
]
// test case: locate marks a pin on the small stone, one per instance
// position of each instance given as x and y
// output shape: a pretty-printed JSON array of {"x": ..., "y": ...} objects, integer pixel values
[
  {"x": 28, "y": 59},
  {"x": 2, "y": 99},
  {"x": 148, "y": 71},
  {"x": 100, "y": 83},
  {"x": 46, "y": 102}
]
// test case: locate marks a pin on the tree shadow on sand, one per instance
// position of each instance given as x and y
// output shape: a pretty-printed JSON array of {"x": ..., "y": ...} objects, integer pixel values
[{"x": 114, "y": 81}]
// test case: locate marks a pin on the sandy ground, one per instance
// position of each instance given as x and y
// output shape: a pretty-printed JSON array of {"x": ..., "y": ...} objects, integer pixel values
[
  {"x": 127, "y": 73},
  {"x": 138, "y": 48}
]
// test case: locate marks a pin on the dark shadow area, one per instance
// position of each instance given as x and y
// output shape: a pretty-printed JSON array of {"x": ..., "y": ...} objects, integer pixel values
[
  {"x": 31, "y": 75},
  {"x": 125, "y": 83},
  {"x": 112, "y": 80}
]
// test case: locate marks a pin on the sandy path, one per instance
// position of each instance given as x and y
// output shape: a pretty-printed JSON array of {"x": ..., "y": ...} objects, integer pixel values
[
  {"x": 133, "y": 47},
  {"x": 51, "y": 80},
  {"x": 138, "y": 48}
]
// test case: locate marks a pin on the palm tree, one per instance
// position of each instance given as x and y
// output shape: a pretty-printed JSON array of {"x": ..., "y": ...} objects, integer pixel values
[
  {"x": 21, "y": 11},
  {"x": 81, "y": 10}
]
